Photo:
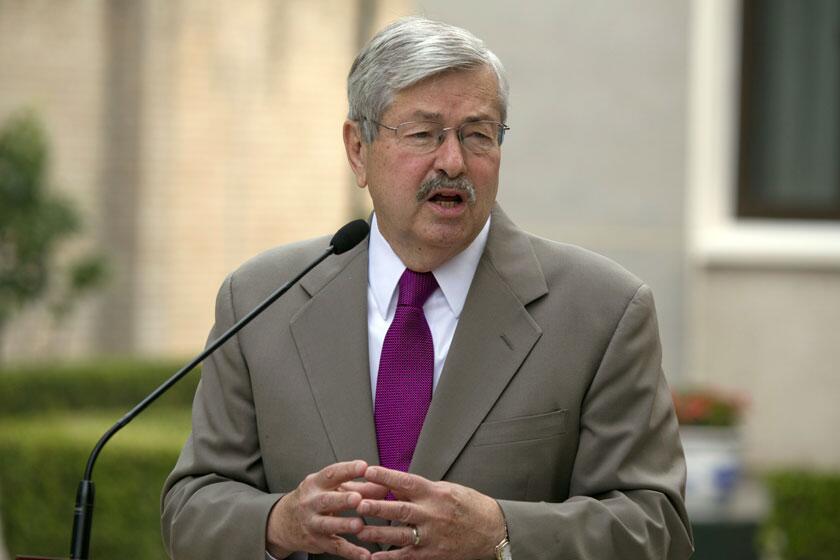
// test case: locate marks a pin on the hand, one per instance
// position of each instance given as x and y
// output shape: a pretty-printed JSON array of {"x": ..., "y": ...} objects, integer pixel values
[
  {"x": 453, "y": 521},
  {"x": 368, "y": 490},
  {"x": 303, "y": 519}
]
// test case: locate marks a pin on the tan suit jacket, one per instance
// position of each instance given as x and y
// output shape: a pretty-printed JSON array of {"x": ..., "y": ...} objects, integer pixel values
[{"x": 552, "y": 400}]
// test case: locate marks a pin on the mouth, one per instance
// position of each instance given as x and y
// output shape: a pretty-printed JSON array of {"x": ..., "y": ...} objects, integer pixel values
[
  {"x": 448, "y": 195},
  {"x": 446, "y": 198}
]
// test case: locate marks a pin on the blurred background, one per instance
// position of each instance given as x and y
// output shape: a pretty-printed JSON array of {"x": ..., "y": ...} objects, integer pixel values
[{"x": 695, "y": 142}]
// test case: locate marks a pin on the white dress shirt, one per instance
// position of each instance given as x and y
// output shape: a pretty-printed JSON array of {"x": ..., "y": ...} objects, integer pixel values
[{"x": 442, "y": 309}]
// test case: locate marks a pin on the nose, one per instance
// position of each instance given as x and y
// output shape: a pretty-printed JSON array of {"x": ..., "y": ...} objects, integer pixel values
[{"x": 449, "y": 156}]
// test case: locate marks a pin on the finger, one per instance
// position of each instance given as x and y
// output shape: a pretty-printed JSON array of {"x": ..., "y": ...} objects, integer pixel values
[
  {"x": 401, "y": 483},
  {"x": 366, "y": 489},
  {"x": 341, "y": 547},
  {"x": 395, "y": 536},
  {"x": 395, "y": 554},
  {"x": 332, "y": 476},
  {"x": 392, "y": 510},
  {"x": 333, "y": 502},
  {"x": 329, "y": 525}
]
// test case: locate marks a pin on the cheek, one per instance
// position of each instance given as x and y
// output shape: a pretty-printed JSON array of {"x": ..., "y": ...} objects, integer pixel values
[
  {"x": 400, "y": 173},
  {"x": 414, "y": 173},
  {"x": 486, "y": 177}
]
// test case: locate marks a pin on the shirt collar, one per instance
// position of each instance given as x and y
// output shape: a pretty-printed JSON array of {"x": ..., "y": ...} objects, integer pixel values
[{"x": 454, "y": 276}]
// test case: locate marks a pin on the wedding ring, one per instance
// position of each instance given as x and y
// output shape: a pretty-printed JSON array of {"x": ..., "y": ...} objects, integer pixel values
[{"x": 416, "y": 532}]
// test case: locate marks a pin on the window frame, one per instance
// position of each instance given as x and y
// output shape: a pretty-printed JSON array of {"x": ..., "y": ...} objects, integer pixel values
[{"x": 717, "y": 235}]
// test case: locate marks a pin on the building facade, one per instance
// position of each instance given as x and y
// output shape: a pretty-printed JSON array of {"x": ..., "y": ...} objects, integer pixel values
[{"x": 196, "y": 134}]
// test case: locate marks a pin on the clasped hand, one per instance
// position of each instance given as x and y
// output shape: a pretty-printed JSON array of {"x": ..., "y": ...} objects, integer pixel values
[{"x": 435, "y": 519}]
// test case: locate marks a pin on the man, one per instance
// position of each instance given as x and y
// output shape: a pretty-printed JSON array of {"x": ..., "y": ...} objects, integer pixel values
[{"x": 534, "y": 422}]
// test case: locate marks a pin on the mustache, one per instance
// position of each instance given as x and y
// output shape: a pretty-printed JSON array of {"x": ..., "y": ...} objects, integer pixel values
[{"x": 460, "y": 184}]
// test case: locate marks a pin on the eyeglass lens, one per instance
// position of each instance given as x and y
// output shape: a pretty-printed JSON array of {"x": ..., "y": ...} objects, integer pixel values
[{"x": 476, "y": 136}]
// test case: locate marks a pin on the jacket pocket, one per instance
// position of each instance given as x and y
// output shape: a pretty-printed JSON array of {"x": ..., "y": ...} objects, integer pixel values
[{"x": 522, "y": 428}]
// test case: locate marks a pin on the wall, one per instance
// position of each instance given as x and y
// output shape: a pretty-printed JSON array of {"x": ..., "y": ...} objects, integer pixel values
[
  {"x": 764, "y": 294},
  {"x": 194, "y": 135},
  {"x": 772, "y": 334},
  {"x": 595, "y": 155},
  {"x": 52, "y": 56}
]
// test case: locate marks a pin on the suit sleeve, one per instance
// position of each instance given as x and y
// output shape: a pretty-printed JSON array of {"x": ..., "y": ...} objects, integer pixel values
[
  {"x": 215, "y": 502},
  {"x": 628, "y": 478}
]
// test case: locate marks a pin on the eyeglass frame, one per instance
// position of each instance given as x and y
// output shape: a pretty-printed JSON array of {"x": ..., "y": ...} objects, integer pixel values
[{"x": 502, "y": 129}]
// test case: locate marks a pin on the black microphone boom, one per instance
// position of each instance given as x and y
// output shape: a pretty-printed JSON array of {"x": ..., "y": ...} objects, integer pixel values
[{"x": 346, "y": 238}]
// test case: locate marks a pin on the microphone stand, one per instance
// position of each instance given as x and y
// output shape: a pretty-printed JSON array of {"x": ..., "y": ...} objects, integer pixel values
[{"x": 83, "y": 513}]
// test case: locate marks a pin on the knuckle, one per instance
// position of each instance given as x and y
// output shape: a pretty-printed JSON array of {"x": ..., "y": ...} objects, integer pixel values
[
  {"x": 316, "y": 524},
  {"x": 371, "y": 534},
  {"x": 309, "y": 479},
  {"x": 403, "y": 512},
  {"x": 449, "y": 492},
  {"x": 380, "y": 536},
  {"x": 323, "y": 502},
  {"x": 407, "y": 483},
  {"x": 373, "y": 508}
]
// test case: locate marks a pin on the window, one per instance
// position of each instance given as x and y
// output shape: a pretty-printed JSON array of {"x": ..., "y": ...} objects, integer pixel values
[{"x": 789, "y": 145}]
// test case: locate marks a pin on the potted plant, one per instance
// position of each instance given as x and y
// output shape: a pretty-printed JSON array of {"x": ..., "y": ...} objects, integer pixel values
[{"x": 709, "y": 420}]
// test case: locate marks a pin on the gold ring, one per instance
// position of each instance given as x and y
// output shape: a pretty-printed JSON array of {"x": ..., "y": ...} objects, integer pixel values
[{"x": 416, "y": 532}]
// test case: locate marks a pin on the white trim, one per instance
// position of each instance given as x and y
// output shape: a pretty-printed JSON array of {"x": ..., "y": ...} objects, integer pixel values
[{"x": 716, "y": 236}]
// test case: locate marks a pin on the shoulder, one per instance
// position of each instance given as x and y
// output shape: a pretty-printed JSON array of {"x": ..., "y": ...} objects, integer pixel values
[
  {"x": 570, "y": 263},
  {"x": 590, "y": 290},
  {"x": 279, "y": 264},
  {"x": 536, "y": 267},
  {"x": 587, "y": 283},
  {"x": 260, "y": 275}
]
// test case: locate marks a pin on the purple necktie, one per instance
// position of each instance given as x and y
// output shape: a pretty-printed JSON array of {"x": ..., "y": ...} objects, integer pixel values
[{"x": 406, "y": 368}]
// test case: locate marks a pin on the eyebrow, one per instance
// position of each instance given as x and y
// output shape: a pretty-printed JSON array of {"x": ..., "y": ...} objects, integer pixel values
[{"x": 437, "y": 117}]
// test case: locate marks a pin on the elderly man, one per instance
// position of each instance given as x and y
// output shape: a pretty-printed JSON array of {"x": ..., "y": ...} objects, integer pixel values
[{"x": 454, "y": 387}]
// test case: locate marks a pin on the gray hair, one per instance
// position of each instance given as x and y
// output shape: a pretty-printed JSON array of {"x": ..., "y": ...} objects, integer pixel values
[{"x": 406, "y": 52}]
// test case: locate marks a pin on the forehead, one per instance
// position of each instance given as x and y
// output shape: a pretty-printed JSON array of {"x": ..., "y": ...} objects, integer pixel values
[{"x": 452, "y": 96}]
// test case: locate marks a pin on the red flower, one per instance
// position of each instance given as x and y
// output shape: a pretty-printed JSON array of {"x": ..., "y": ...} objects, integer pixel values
[{"x": 708, "y": 407}]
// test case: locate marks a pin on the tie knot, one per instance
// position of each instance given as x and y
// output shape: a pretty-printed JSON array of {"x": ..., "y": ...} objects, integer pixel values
[{"x": 416, "y": 287}]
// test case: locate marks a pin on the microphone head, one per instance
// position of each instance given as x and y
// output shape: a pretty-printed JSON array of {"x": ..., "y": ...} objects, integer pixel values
[{"x": 350, "y": 235}]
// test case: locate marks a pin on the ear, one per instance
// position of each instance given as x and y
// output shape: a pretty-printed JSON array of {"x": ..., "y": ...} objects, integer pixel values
[{"x": 356, "y": 151}]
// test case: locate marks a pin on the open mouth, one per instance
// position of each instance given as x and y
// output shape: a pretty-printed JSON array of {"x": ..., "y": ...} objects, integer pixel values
[
  {"x": 447, "y": 193},
  {"x": 447, "y": 200}
]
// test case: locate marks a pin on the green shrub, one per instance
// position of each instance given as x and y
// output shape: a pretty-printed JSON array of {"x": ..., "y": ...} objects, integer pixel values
[
  {"x": 42, "y": 460},
  {"x": 804, "y": 523},
  {"x": 117, "y": 384}
]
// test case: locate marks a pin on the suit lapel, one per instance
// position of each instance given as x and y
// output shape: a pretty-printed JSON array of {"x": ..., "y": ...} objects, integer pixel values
[
  {"x": 331, "y": 336},
  {"x": 495, "y": 333}
]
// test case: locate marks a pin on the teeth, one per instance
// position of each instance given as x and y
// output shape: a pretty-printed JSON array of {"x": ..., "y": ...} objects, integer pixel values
[{"x": 446, "y": 203}]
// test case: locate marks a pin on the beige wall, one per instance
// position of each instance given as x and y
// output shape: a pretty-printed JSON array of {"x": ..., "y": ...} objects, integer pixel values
[
  {"x": 194, "y": 135},
  {"x": 52, "y": 56},
  {"x": 240, "y": 148},
  {"x": 773, "y": 334}
]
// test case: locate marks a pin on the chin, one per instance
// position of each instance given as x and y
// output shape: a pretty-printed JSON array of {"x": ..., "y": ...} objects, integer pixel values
[{"x": 449, "y": 239}]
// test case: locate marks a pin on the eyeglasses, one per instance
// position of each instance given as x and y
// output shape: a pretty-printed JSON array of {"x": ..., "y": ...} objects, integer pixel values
[{"x": 422, "y": 137}]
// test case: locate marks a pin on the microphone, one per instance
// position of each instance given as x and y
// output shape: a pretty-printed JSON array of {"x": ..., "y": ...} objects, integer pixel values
[
  {"x": 350, "y": 235},
  {"x": 346, "y": 238}
]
